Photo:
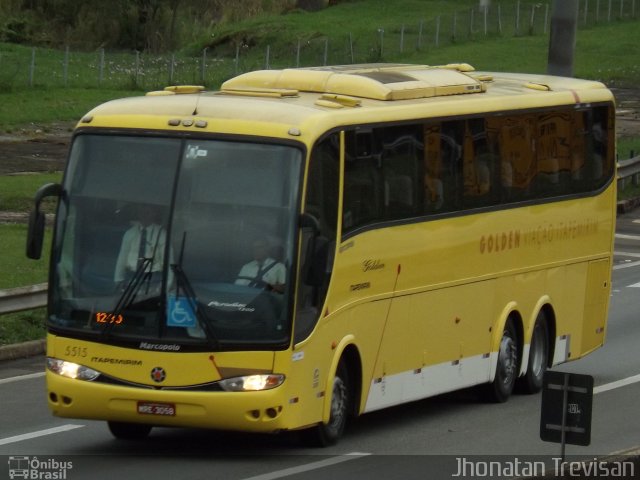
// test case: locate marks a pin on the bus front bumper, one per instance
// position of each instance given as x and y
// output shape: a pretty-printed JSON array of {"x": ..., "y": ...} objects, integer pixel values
[{"x": 253, "y": 411}]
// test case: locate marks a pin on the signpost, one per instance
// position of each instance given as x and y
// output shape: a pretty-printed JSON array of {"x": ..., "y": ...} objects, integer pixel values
[
  {"x": 562, "y": 39},
  {"x": 567, "y": 400}
]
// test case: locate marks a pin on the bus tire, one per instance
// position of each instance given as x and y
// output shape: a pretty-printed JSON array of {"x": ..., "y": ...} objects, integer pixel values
[
  {"x": 129, "y": 431},
  {"x": 502, "y": 386},
  {"x": 323, "y": 435},
  {"x": 538, "y": 357}
]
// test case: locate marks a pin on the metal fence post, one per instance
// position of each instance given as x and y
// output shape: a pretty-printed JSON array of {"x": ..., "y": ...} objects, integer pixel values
[
  {"x": 351, "y": 48},
  {"x": 471, "y": 22},
  {"x": 486, "y": 11},
  {"x": 65, "y": 67},
  {"x": 586, "y": 11},
  {"x": 454, "y": 26},
  {"x": 101, "y": 67},
  {"x": 546, "y": 17},
  {"x": 137, "y": 67},
  {"x": 204, "y": 64},
  {"x": 32, "y": 66},
  {"x": 532, "y": 19},
  {"x": 326, "y": 51},
  {"x": 237, "y": 60}
]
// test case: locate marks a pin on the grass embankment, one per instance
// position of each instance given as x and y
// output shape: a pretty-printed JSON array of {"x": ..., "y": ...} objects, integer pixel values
[{"x": 17, "y": 270}]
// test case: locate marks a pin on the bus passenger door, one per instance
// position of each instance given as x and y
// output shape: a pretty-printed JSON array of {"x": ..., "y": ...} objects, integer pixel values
[{"x": 318, "y": 234}]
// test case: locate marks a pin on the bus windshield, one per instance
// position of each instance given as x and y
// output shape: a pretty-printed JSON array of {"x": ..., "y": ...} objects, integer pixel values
[{"x": 184, "y": 241}]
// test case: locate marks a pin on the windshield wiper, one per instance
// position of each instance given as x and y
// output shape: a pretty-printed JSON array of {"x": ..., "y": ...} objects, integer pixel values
[
  {"x": 182, "y": 281},
  {"x": 128, "y": 294}
]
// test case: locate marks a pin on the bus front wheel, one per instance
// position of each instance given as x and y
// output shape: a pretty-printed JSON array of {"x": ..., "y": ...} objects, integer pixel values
[
  {"x": 129, "y": 431},
  {"x": 325, "y": 434},
  {"x": 507, "y": 367}
]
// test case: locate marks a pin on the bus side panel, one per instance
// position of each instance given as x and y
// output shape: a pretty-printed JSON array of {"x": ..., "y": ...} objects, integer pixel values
[
  {"x": 560, "y": 287},
  {"x": 311, "y": 360},
  {"x": 597, "y": 294},
  {"x": 434, "y": 342}
]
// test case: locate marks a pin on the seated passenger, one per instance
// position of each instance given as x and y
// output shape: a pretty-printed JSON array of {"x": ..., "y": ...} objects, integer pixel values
[{"x": 434, "y": 194}]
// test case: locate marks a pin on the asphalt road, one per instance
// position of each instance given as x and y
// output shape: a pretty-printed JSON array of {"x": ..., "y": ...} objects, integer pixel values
[{"x": 422, "y": 440}]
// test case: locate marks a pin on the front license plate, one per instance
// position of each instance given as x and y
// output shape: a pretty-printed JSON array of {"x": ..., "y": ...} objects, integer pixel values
[{"x": 153, "y": 408}]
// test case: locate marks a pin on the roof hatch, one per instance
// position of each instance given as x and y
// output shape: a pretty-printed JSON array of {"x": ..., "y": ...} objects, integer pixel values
[{"x": 393, "y": 82}]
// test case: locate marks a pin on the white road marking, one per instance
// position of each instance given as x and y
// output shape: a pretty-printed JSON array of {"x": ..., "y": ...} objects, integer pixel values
[
  {"x": 39, "y": 433},
  {"x": 626, "y": 265},
  {"x": 635, "y": 285},
  {"x": 627, "y": 237},
  {"x": 21, "y": 377},
  {"x": 309, "y": 466},
  {"x": 626, "y": 254},
  {"x": 617, "y": 384}
]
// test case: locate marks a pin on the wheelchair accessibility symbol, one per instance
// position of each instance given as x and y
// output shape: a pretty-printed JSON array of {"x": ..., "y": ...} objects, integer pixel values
[{"x": 180, "y": 312}]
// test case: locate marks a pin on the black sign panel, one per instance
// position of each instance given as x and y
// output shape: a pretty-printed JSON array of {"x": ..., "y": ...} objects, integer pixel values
[{"x": 567, "y": 399}]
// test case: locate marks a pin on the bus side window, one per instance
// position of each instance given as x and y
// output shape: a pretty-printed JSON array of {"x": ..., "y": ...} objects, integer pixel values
[
  {"x": 362, "y": 182},
  {"x": 323, "y": 185},
  {"x": 480, "y": 165},
  {"x": 517, "y": 156},
  {"x": 433, "y": 192},
  {"x": 598, "y": 159},
  {"x": 555, "y": 132},
  {"x": 401, "y": 164},
  {"x": 442, "y": 155}
]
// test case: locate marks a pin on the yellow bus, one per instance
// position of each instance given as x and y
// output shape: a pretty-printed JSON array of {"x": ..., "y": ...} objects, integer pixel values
[{"x": 307, "y": 245}]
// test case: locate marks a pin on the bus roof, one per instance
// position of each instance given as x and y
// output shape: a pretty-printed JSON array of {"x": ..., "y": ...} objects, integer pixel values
[{"x": 296, "y": 102}]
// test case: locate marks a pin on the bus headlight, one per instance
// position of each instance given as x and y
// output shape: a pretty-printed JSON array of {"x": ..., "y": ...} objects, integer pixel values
[
  {"x": 251, "y": 383},
  {"x": 71, "y": 370}
]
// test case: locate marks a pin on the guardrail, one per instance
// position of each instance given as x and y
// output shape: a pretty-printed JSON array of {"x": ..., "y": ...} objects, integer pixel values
[
  {"x": 23, "y": 298},
  {"x": 35, "y": 296},
  {"x": 628, "y": 170}
]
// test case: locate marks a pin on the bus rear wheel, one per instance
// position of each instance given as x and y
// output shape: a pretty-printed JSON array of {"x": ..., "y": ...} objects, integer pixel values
[
  {"x": 129, "y": 431},
  {"x": 323, "y": 435},
  {"x": 538, "y": 357},
  {"x": 507, "y": 368}
]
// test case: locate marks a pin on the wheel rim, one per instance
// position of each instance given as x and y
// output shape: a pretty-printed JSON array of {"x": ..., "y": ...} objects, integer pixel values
[
  {"x": 507, "y": 359},
  {"x": 338, "y": 404}
]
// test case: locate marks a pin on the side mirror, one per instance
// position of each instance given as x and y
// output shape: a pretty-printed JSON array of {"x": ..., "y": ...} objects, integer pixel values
[{"x": 35, "y": 234}]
